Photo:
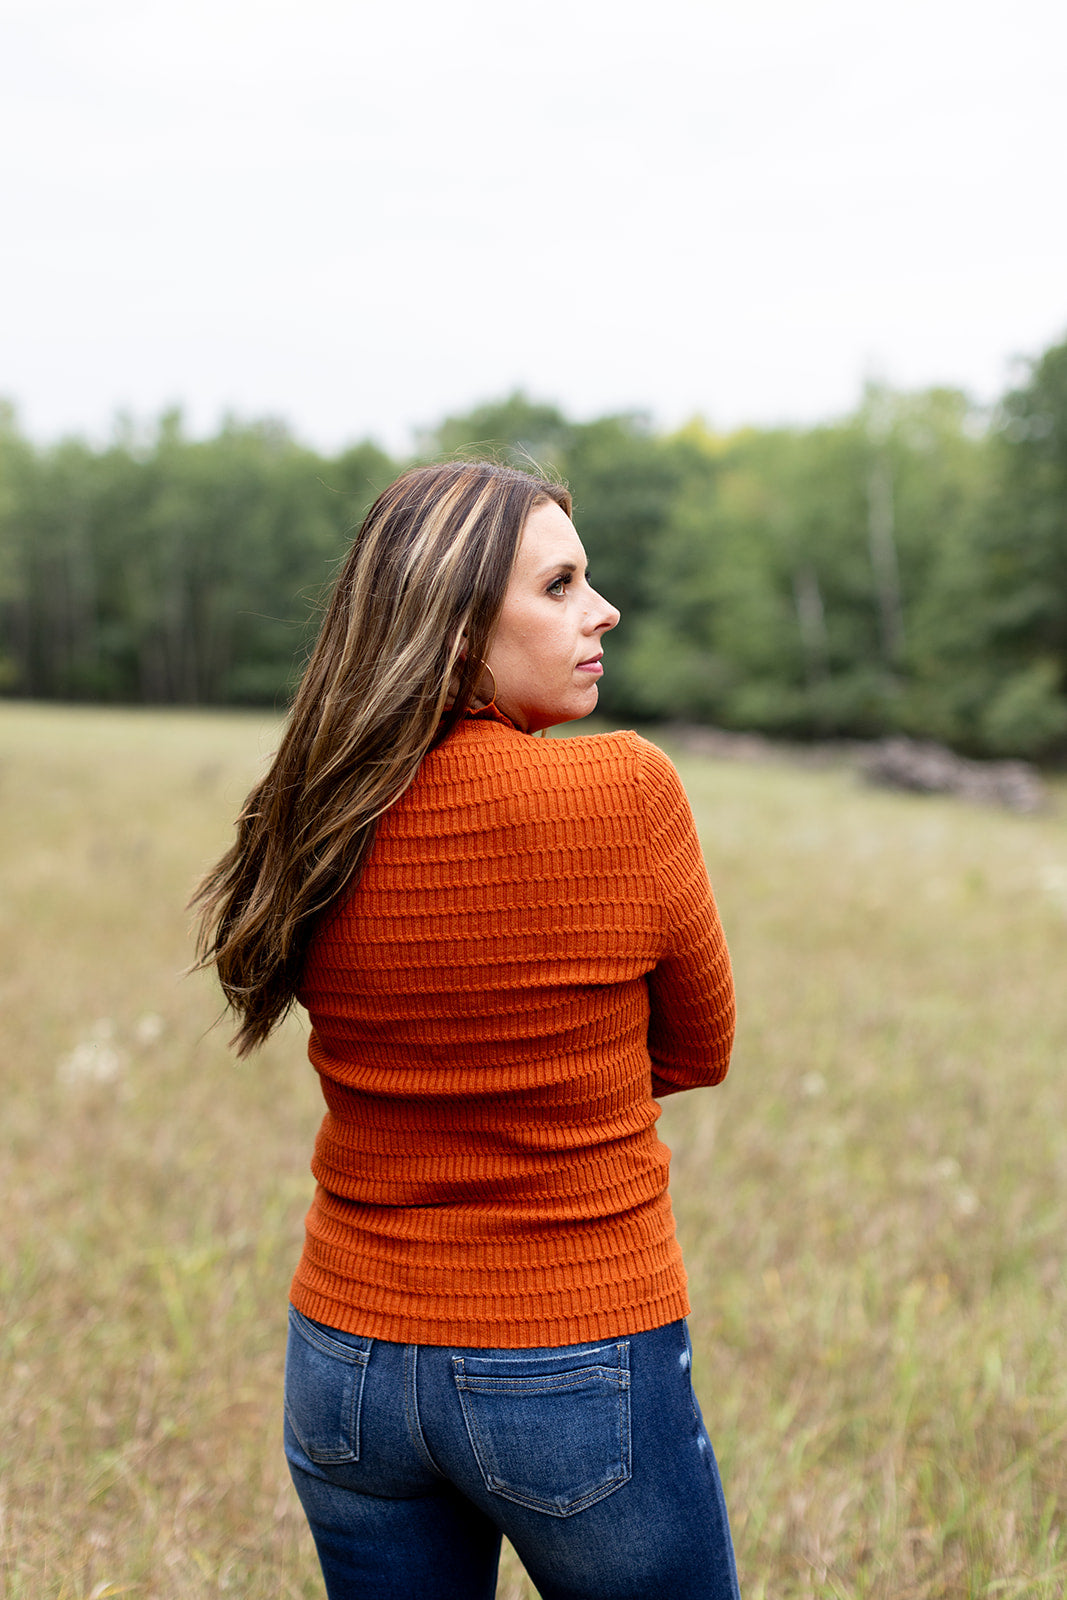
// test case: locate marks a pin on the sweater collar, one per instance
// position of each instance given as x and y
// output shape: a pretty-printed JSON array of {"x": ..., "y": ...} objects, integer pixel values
[{"x": 490, "y": 713}]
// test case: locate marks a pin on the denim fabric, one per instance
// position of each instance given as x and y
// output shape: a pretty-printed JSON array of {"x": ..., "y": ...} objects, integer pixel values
[{"x": 412, "y": 1460}]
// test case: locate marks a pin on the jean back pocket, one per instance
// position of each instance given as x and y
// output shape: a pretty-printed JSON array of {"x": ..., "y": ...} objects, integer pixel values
[
  {"x": 550, "y": 1431},
  {"x": 324, "y": 1375}
]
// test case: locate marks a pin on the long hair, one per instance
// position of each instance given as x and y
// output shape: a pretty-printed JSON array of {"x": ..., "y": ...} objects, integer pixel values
[{"x": 388, "y": 677}]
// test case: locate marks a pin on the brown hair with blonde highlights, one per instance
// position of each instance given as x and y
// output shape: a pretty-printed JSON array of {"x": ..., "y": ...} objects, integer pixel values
[{"x": 388, "y": 677}]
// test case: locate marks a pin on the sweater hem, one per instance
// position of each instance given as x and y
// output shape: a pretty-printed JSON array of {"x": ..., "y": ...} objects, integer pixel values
[{"x": 486, "y": 1333}]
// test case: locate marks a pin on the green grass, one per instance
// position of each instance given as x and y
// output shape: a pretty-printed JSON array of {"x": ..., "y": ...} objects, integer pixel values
[{"x": 872, "y": 1208}]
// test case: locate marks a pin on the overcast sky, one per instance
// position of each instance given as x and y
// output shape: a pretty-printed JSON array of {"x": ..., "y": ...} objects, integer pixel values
[{"x": 360, "y": 217}]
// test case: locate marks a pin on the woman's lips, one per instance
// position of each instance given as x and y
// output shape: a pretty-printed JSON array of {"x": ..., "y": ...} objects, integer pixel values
[{"x": 593, "y": 665}]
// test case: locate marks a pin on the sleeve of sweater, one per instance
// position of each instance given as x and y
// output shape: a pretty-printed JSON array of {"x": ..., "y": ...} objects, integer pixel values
[{"x": 691, "y": 991}]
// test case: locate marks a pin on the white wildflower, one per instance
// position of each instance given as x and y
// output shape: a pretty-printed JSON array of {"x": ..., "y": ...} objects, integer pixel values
[
  {"x": 149, "y": 1029},
  {"x": 94, "y": 1058}
]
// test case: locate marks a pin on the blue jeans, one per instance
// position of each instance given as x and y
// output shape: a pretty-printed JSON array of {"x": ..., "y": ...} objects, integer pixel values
[{"x": 411, "y": 1461}]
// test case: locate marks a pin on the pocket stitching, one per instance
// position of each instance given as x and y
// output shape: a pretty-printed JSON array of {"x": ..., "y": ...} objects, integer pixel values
[
  {"x": 549, "y": 1383},
  {"x": 354, "y": 1355}
]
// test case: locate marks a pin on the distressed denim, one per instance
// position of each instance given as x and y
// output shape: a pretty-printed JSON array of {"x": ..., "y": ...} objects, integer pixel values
[{"x": 411, "y": 1461}]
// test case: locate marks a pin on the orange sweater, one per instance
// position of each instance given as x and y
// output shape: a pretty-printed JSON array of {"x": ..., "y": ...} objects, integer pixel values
[{"x": 532, "y": 954}]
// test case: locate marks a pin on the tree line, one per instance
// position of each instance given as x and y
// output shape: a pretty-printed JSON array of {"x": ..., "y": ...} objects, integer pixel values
[{"x": 903, "y": 568}]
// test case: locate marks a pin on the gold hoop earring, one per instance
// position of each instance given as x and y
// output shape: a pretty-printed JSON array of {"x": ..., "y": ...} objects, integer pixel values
[{"x": 487, "y": 668}]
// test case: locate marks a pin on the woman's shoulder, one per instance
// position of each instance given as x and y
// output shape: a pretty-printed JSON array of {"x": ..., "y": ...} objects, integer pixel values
[
  {"x": 573, "y": 793},
  {"x": 620, "y": 745},
  {"x": 573, "y": 760}
]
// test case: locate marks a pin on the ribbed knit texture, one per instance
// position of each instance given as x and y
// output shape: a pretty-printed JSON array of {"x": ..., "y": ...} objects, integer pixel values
[{"x": 532, "y": 954}]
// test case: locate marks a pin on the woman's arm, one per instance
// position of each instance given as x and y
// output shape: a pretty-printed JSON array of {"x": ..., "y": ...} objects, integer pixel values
[{"x": 691, "y": 990}]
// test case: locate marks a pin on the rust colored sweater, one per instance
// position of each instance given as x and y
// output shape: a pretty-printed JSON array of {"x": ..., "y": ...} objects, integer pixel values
[{"x": 533, "y": 953}]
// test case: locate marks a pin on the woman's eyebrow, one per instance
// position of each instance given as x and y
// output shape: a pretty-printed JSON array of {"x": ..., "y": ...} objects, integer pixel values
[{"x": 564, "y": 566}]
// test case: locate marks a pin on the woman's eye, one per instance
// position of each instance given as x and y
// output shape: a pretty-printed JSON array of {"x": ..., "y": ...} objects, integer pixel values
[{"x": 558, "y": 585}]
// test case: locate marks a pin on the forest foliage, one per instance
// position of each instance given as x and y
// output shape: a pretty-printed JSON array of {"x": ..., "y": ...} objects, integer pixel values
[{"x": 901, "y": 569}]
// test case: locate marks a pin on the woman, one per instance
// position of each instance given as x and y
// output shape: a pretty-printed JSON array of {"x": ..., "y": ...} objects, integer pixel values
[{"x": 507, "y": 947}]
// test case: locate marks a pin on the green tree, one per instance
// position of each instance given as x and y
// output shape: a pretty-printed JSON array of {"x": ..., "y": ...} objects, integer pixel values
[
  {"x": 1025, "y": 549},
  {"x": 53, "y": 601},
  {"x": 790, "y": 583},
  {"x": 517, "y": 429}
]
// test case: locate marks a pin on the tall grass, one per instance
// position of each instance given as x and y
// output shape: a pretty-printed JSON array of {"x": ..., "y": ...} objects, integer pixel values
[{"x": 873, "y": 1207}]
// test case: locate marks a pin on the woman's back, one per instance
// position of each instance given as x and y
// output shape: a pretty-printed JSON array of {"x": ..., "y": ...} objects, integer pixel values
[{"x": 481, "y": 1021}]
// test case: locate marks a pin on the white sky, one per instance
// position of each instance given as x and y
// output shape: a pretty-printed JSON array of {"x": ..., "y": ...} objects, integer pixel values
[{"x": 360, "y": 216}]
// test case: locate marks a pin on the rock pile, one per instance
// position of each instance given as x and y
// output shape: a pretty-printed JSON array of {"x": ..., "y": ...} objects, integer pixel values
[
  {"x": 926, "y": 768},
  {"x": 894, "y": 763}
]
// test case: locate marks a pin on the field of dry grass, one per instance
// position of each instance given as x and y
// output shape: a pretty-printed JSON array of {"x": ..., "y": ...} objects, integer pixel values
[{"x": 873, "y": 1208}]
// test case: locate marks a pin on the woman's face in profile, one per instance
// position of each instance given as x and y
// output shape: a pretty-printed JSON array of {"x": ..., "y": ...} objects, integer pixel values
[{"x": 545, "y": 655}]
